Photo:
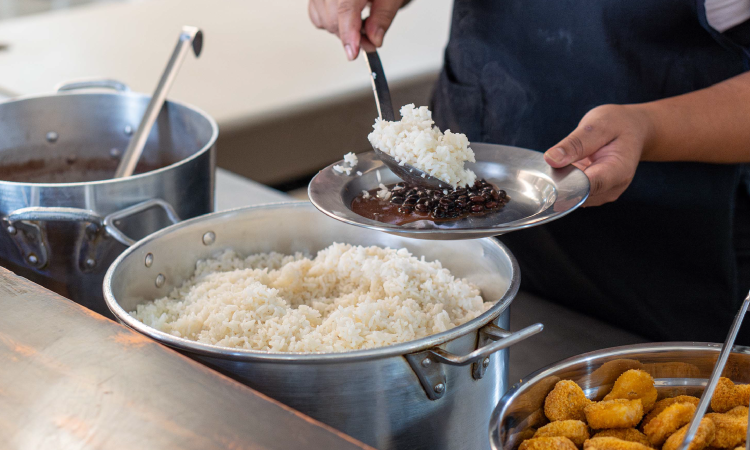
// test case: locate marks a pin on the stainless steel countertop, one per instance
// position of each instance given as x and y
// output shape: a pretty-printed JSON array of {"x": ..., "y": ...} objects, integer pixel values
[{"x": 71, "y": 379}]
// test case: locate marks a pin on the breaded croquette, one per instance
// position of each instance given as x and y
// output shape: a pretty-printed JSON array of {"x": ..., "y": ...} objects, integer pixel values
[
  {"x": 662, "y": 404},
  {"x": 635, "y": 384},
  {"x": 566, "y": 402},
  {"x": 575, "y": 430},
  {"x": 626, "y": 434},
  {"x": 618, "y": 413},
  {"x": 738, "y": 411},
  {"x": 612, "y": 443},
  {"x": 729, "y": 395},
  {"x": 547, "y": 443},
  {"x": 730, "y": 430},
  {"x": 668, "y": 421},
  {"x": 703, "y": 437}
]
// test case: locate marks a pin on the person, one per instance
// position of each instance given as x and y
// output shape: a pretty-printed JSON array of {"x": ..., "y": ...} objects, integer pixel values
[{"x": 664, "y": 94}]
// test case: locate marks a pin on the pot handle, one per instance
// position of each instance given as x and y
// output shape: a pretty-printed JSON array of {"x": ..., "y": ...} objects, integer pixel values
[
  {"x": 92, "y": 84},
  {"x": 53, "y": 213},
  {"x": 30, "y": 238},
  {"x": 502, "y": 339},
  {"x": 110, "y": 221},
  {"x": 428, "y": 364}
]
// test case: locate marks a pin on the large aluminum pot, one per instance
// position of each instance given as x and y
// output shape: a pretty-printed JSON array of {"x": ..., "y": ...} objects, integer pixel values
[
  {"x": 678, "y": 368},
  {"x": 433, "y": 393},
  {"x": 63, "y": 220}
]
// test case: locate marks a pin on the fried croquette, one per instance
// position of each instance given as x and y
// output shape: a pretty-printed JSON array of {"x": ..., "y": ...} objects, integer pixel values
[
  {"x": 662, "y": 404},
  {"x": 635, "y": 384},
  {"x": 703, "y": 437},
  {"x": 618, "y": 413},
  {"x": 668, "y": 421},
  {"x": 566, "y": 402},
  {"x": 738, "y": 411},
  {"x": 575, "y": 430},
  {"x": 612, "y": 443},
  {"x": 730, "y": 430},
  {"x": 729, "y": 395},
  {"x": 626, "y": 434},
  {"x": 548, "y": 443}
]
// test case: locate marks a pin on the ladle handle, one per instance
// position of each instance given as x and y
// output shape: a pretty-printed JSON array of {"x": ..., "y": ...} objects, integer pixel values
[
  {"x": 379, "y": 83},
  {"x": 714, "y": 380},
  {"x": 190, "y": 37}
]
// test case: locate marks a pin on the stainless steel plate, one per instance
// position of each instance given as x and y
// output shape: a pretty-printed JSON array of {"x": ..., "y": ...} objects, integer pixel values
[{"x": 539, "y": 194}]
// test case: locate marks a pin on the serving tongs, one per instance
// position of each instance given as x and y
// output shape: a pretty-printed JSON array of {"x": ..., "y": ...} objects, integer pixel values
[
  {"x": 714, "y": 379},
  {"x": 382, "y": 94}
]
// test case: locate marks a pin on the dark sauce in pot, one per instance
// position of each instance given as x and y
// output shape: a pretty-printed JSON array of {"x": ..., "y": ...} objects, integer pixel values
[
  {"x": 68, "y": 170},
  {"x": 409, "y": 203}
]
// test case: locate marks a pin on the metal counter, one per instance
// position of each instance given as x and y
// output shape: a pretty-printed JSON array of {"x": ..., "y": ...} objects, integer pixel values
[{"x": 70, "y": 378}]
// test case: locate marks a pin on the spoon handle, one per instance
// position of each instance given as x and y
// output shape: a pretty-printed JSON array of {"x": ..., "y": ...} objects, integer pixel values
[
  {"x": 379, "y": 83},
  {"x": 190, "y": 37},
  {"x": 714, "y": 380}
]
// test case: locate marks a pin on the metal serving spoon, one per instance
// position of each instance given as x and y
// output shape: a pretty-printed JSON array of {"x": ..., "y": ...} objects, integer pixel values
[
  {"x": 714, "y": 379},
  {"x": 190, "y": 37},
  {"x": 404, "y": 171}
]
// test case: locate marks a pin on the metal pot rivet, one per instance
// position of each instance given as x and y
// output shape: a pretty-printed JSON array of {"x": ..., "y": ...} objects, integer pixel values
[
  {"x": 128, "y": 130},
  {"x": 160, "y": 280},
  {"x": 52, "y": 136},
  {"x": 114, "y": 153},
  {"x": 90, "y": 263},
  {"x": 11, "y": 230},
  {"x": 426, "y": 362},
  {"x": 209, "y": 238},
  {"x": 439, "y": 388},
  {"x": 149, "y": 259},
  {"x": 486, "y": 362},
  {"x": 33, "y": 259}
]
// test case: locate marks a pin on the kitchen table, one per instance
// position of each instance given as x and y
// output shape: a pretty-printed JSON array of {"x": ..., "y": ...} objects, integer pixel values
[{"x": 71, "y": 379}]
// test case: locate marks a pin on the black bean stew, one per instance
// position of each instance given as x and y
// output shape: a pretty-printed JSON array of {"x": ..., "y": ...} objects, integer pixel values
[{"x": 409, "y": 203}]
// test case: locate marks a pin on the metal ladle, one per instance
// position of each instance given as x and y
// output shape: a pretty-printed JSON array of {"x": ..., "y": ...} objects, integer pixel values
[
  {"x": 190, "y": 37},
  {"x": 385, "y": 110}
]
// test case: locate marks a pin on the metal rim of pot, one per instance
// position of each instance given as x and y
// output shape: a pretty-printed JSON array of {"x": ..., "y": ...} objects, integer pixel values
[
  {"x": 45, "y": 213},
  {"x": 426, "y": 347},
  {"x": 71, "y": 88},
  {"x": 624, "y": 351}
]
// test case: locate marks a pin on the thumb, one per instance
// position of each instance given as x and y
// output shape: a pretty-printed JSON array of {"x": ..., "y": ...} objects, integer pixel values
[
  {"x": 350, "y": 25},
  {"x": 581, "y": 143},
  {"x": 382, "y": 13}
]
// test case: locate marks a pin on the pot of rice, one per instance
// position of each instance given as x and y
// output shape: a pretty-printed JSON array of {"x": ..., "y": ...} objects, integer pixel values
[{"x": 398, "y": 342}]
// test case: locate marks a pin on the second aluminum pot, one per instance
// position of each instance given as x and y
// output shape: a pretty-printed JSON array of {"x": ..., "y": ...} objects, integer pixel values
[
  {"x": 433, "y": 393},
  {"x": 64, "y": 220}
]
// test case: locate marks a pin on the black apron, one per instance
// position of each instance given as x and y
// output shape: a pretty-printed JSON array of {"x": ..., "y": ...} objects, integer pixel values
[{"x": 663, "y": 260}]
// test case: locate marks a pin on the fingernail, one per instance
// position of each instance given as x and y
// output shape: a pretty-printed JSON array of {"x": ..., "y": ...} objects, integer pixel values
[
  {"x": 349, "y": 52},
  {"x": 379, "y": 33},
  {"x": 556, "y": 154}
]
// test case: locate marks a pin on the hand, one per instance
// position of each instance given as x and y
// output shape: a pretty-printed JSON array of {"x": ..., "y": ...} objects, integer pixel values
[
  {"x": 607, "y": 146},
  {"x": 344, "y": 19}
]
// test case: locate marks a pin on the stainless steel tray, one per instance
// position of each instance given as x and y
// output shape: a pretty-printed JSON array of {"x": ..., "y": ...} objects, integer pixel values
[{"x": 539, "y": 194}]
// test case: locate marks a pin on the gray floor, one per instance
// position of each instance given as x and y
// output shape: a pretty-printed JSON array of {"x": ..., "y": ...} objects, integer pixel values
[{"x": 566, "y": 333}]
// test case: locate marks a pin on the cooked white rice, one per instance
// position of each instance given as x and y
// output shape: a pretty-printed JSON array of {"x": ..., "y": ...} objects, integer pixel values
[
  {"x": 416, "y": 141},
  {"x": 350, "y": 162},
  {"x": 346, "y": 298}
]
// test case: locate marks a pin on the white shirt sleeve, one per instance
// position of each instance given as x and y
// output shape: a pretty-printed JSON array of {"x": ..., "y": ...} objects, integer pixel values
[{"x": 725, "y": 14}]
